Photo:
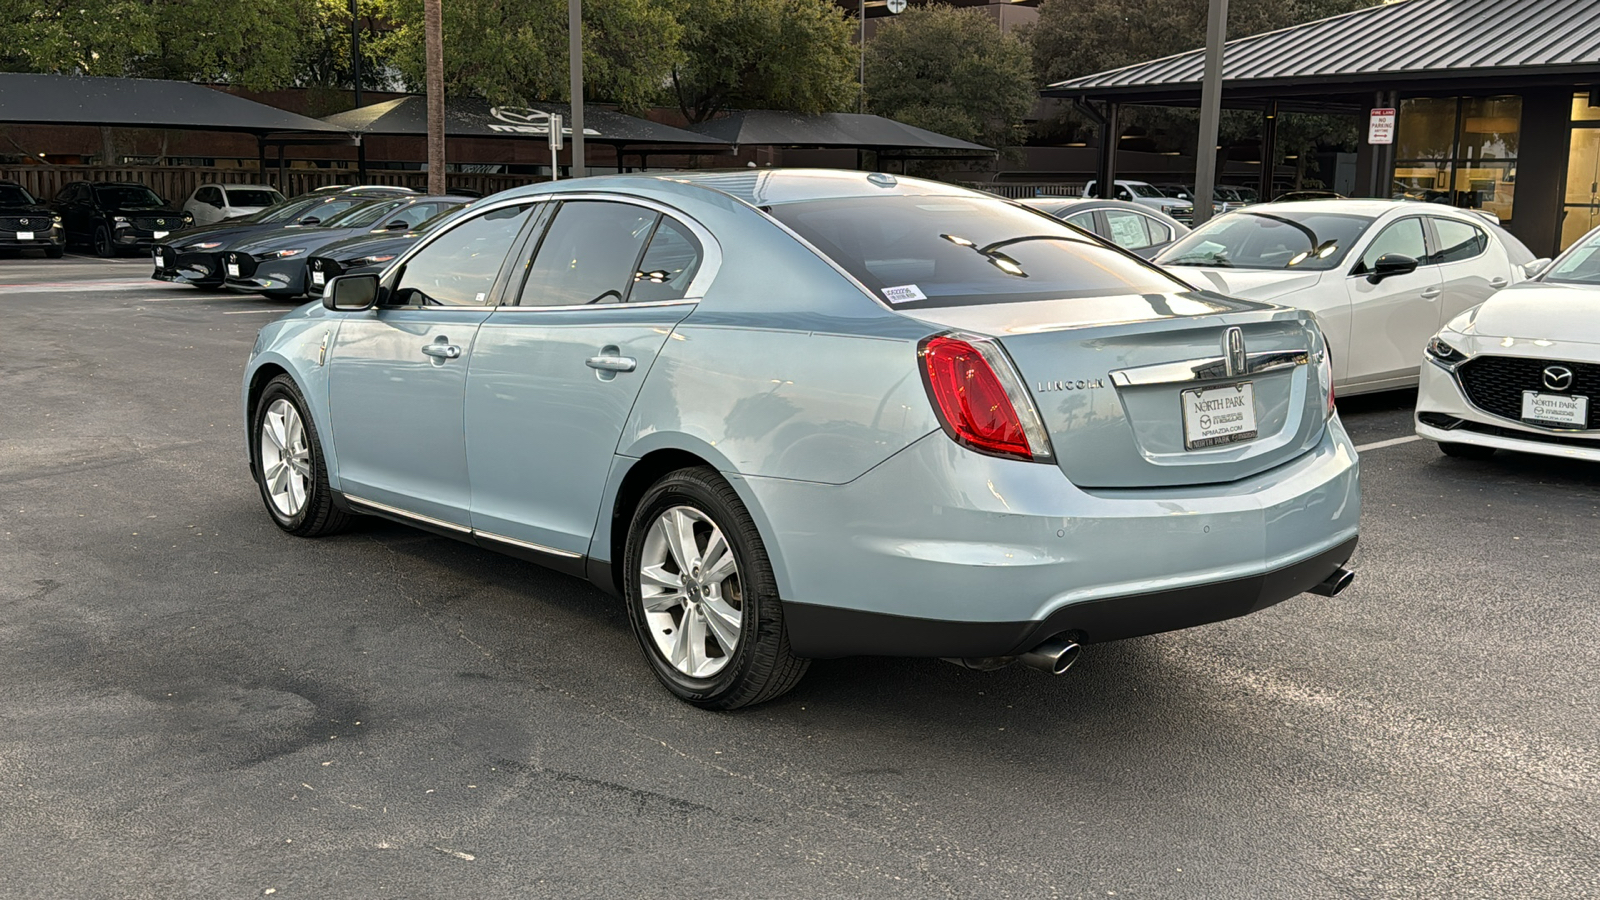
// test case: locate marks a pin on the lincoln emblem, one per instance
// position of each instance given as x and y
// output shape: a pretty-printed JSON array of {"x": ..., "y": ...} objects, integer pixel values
[
  {"x": 1558, "y": 378},
  {"x": 1233, "y": 350}
]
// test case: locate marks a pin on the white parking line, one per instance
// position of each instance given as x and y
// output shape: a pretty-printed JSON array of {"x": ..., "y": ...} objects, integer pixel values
[
  {"x": 1392, "y": 442},
  {"x": 246, "y": 312}
]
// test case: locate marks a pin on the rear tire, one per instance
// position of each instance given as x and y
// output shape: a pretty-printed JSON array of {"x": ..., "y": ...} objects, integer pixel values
[
  {"x": 103, "y": 247},
  {"x": 1466, "y": 451},
  {"x": 290, "y": 469},
  {"x": 712, "y": 626}
]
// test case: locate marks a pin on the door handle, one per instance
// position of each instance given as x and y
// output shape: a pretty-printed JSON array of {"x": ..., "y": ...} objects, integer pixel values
[
  {"x": 612, "y": 363},
  {"x": 1430, "y": 293},
  {"x": 1497, "y": 283},
  {"x": 441, "y": 351}
]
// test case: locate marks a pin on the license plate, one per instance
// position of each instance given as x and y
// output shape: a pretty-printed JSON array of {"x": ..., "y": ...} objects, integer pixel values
[
  {"x": 233, "y": 270},
  {"x": 24, "y": 235},
  {"x": 1555, "y": 409},
  {"x": 158, "y": 235},
  {"x": 317, "y": 277},
  {"x": 1219, "y": 415}
]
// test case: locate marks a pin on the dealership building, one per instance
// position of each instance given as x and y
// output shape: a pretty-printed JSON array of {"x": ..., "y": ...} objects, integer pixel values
[{"x": 1497, "y": 102}]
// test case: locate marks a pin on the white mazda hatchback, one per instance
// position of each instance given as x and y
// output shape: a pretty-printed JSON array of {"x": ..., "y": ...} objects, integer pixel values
[
  {"x": 1522, "y": 371},
  {"x": 1381, "y": 275}
]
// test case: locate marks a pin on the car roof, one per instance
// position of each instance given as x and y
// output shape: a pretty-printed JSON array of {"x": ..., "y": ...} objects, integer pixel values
[{"x": 767, "y": 187}]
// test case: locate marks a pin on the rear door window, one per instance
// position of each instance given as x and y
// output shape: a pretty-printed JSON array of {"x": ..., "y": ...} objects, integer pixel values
[
  {"x": 1458, "y": 240},
  {"x": 589, "y": 254},
  {"x": 915, "y": 251}
]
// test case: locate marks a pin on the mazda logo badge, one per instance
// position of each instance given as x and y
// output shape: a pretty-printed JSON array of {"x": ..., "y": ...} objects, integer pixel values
[
  {"x": 1557, "y": 378},
  {"x": 161, "y": 221},
  {"x": 23, "y": 221}
]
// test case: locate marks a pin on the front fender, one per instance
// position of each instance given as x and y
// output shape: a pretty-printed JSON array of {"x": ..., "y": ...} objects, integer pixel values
[{"x": 297, "y": 345}]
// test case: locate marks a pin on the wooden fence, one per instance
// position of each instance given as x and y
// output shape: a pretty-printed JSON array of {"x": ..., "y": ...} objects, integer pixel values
[{"x": 176, "y": 183}]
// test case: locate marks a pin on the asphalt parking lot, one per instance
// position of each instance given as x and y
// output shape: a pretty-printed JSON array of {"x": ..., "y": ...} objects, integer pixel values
[{"x": 196, "y": 705}]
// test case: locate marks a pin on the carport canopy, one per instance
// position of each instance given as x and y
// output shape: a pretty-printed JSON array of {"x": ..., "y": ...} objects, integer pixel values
[
  {"x": 473, "y": 118},
  {"x": 30, "y": 99},
  {"x": 856, "y": 131}
]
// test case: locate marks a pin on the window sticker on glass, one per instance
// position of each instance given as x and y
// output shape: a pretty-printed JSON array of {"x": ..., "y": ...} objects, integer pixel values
[{"x": 904, "y": 293}]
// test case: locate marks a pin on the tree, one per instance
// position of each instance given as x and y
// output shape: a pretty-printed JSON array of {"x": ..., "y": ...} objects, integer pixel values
[
  {"x": 952, "y": 71},
  {"x": 516, "y": 50},
  {"x": 796, "y": 55}
]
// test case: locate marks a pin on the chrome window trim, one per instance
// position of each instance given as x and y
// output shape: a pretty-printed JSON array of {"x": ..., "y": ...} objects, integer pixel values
[
  {"x": 710, "y": 249},
  {"x": 511, "y": 307},
  {"x": 1210, "y": 368}
]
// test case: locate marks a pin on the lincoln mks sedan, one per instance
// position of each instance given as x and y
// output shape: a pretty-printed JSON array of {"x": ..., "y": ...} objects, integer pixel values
[{"x": 790, "y": 415}]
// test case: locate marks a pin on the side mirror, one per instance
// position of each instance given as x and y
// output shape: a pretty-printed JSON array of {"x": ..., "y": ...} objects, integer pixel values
[
  {"x": 1391, "y": 264},
  {"x": 351, "y": 293},
  {"x": 397, "y": 225},
  {"x": 1533, "y": 269},
  {"x": 309, "y": 220}
]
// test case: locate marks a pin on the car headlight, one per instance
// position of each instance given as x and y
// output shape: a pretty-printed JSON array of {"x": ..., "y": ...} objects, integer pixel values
[
  {"x": 55, "y": 220},
  {"x": 1443, "y": 354},
  {"x": 119, "y": 220},
  {"x": 283, "y": 254},
  {"x": 369, "y": 261},
  {"x": 207, "y": 245},
  {"x": 188, "y": 218}
]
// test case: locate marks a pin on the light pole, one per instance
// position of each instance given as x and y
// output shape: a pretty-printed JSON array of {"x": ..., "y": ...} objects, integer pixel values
[
  {"x": 433, "y": 36},
  {"x": 575, "y": 66},
  {"x": 1205, "y": 171}
]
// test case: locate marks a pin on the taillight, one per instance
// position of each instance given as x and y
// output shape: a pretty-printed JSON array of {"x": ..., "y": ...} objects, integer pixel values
[
  {"x": 1325, "y": 374},
  {"x": 979, "y": 398}
]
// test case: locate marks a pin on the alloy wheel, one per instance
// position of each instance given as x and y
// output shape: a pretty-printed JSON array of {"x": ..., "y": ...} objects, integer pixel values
[
  {"x": 690, "y": 590},
  {"x": 285, "y": 458}
]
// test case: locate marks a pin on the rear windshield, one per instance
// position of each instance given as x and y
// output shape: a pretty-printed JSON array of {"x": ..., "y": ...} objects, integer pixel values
[
  {"x": 253, "y": 197},
  {"x": 290, "y": 210},
  {"x": 361, "y": 216},
  {"x": 12, "y": 195},
  {"x": 917, "y": 252},
  {"x": 1261, "y": 240}
]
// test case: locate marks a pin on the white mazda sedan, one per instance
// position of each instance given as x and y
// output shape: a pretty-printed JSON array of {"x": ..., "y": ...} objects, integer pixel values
[
  {"x": 1381, "y": 275},
  {"x": 1522, "y": 371}
]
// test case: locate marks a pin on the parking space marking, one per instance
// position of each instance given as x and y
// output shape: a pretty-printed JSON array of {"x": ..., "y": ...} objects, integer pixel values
[
  {"x": 245, "y": 312},
  {"x": 1392, "y": 442}
]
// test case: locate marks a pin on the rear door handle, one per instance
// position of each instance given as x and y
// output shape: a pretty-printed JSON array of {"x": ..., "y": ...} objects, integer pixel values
[
  {"x": 1430, "y": 293},
  {"x": 441, "y": 351},
  {"x": 612, "y": 363},
  {"x": 1497, "y": 283}
]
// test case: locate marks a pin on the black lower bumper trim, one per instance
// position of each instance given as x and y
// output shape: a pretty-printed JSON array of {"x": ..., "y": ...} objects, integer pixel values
[{"x": 825, "y": 632}]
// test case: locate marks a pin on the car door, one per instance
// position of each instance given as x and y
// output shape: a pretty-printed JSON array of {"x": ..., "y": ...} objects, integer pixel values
[
  {"x": 1471, "y": 267},
  {"x": 554, "y": 377},
  {"x": 1391, "y": 319},
  {"x": 70, "y": 203},
  {"x": 397, "y": 373}
]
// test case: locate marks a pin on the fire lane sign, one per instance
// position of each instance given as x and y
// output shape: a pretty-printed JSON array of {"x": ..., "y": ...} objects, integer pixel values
[{"x": 1380, "y": 127}]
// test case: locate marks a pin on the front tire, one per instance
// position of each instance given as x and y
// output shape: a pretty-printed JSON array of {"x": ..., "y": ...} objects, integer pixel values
[
  {"x": 103, "y": 247},
  {"x": 702, "y": 598},
  {"x": 289, "y": 465},
  {"x": 1466, "y": 451}
]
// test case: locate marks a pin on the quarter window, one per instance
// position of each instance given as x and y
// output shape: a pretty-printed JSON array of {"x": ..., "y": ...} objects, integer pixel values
[
  {"x": 1403, "y": 237},
  {"x": 459, "y": 268},
  {"x": 1084, "y": 220},
  {"x": 1128, "y": 229},
  {"x": 669, "y": 264},
  {"x": 588, "y": 255},
  {"x": 1458, "y": 240}
]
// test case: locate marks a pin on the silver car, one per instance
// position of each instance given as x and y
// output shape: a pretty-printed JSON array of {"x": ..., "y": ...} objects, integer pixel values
[{"x": 790, "y": 415}]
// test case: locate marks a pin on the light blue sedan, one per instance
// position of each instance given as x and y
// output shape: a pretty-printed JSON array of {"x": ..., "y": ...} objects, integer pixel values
[{"x": 790, "y": 415}]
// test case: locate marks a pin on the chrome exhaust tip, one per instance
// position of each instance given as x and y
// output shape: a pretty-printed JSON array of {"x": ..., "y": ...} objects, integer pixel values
[
  {"x": 1055, "y": 656},
  {"x": 1333, "y": 584}
]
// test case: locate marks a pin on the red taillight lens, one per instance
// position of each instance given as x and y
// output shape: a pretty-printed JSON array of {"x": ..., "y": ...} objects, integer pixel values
[{"x": 974, "y": 404}]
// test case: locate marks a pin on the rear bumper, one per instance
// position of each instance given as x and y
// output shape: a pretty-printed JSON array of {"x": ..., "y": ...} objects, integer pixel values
[{"x": 943, "y": 552}]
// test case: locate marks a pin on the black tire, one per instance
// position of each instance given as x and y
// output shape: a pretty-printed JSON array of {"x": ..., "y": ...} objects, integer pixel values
[
  {"x": 1466, "y": 451},
  {"x": 55, "y": 252},
  {"x": 103, "y": 247},
  {"x": 318, "y": 515},
  {"x": 761, "y": 666}
]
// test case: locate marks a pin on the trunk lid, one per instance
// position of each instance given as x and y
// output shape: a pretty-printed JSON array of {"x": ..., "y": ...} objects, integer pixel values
[{"x": 1109, "y": 376}]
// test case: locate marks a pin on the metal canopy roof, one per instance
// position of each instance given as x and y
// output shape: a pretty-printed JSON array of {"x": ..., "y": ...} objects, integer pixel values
[
  {"x": 772, "y": 128},
  {"x": 28, "y": 99},
  {"x": 468, "y": 117},
  {"x": 1421, "y": 43}
]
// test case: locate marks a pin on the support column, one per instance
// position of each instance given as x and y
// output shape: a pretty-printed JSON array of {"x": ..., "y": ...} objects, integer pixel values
[
  {"x": 1205, "y": 170},
  {"x": 1106, "y": 171},
  {"x": 261, "y": 158},
  {"x": 1269, "y": 150}
]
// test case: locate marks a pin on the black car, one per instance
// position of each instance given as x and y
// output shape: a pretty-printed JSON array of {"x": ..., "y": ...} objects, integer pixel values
[
  {"x": 195, "y": 256},
  {"x": 116, "y": 217},
  {"x": 27, "y": 224},
  {"x": 368, "y": 253}
]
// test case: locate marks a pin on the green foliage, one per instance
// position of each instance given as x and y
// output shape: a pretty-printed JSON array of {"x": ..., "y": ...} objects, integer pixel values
[
  {"x": 252, "y": 43},
  {"x": 952, "y": 71},
  {"x": 795, "y": 55},
  {"x": 511, "y": 50}
]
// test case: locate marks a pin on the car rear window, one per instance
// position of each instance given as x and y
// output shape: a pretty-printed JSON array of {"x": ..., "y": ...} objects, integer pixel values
[{"x": 917, "y": 251}]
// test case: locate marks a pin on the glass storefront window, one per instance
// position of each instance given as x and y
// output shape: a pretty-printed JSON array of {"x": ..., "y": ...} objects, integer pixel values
[
  {"x": 1582, "y": 111},
  {"x": 1459, "y": 150},
  {"x": 1582, "y": 210}
]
